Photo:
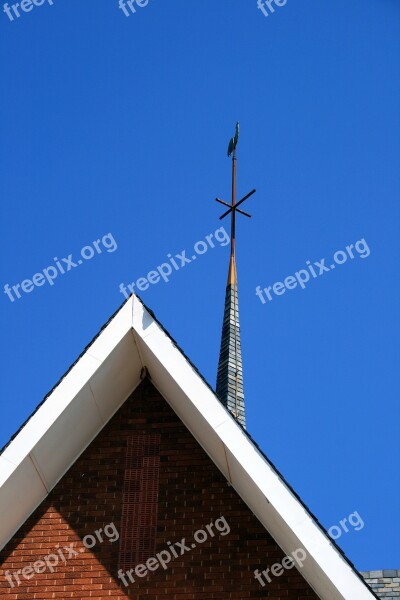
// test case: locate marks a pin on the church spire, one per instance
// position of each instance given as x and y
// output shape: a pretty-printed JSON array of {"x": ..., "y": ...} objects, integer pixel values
[{"x": 230, "y": 370}]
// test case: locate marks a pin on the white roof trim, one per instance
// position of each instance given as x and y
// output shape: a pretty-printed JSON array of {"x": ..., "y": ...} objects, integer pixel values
[{"x": 95, "y": 388}]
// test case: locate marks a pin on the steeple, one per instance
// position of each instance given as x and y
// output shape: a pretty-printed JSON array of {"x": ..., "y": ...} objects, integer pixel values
[{"x": 230, "y": 370}]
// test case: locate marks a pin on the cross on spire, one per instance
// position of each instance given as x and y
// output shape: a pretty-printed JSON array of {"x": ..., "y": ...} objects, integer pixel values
[
  {"x": 230, "y": 373},
  {"x": 233, "y": 207}
]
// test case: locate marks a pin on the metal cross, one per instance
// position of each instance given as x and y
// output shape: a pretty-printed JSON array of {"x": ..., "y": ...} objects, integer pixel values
[{"x": 234, "y": 206}]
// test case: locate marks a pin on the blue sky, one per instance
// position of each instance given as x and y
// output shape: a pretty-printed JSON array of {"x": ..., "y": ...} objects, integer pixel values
[{"x": 119, "y": 125}]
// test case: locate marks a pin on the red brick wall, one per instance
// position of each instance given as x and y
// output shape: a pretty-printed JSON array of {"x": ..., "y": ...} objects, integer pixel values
[{"x": 192, "y": 494}]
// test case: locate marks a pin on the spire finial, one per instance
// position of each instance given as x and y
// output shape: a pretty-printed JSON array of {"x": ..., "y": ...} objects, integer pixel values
[
  {"x": 234, "y": 140},
  {"x": 230, "y": 373},
  {"x": 233, "y": 206}
]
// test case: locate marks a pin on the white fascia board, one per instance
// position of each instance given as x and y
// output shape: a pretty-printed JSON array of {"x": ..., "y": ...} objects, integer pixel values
[
  {"x": 51, "y": 410},
  {"x": 69, "y": 387},
  {"x": 6, "y": 470},
  {"x": 67, "y": 422},
  {"x": 181, "y": 386},
  {"x": 260, "y": 486},
  {"x": 159, "y": 349},
  {"x": 20, "y": 495},
  {"x": 111, "y": 335}
]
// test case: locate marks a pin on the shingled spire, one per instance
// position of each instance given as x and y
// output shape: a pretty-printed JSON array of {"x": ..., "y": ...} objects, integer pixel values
[{"x": 230, "y": 368}]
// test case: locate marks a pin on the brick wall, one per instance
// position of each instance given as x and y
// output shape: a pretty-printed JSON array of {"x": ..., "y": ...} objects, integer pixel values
[
  {"x": 191, "y": 494},
  {"x": 386, "y": 584}
]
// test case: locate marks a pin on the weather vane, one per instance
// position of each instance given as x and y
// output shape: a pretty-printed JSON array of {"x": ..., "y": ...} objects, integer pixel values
[{"x": 233, "y": 208}]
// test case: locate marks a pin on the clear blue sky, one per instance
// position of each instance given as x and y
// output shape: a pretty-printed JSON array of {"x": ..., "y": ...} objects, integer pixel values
[{"x": 120, "y": 125}]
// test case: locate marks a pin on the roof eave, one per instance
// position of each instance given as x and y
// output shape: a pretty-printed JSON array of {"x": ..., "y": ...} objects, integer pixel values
[{"x": 95, "y": 388}]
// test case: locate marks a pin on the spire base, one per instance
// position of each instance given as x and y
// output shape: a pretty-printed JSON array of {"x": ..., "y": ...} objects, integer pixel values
[
  {"x": 229, "y": 387},
  {"x": 232, "y": 273}
]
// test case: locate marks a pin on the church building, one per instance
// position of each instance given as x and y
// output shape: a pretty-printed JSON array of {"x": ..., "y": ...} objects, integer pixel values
[{"x": 135, "y": 479}]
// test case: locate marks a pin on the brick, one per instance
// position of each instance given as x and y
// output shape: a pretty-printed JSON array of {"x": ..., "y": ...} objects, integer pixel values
[{"x": 192, "y": 494}]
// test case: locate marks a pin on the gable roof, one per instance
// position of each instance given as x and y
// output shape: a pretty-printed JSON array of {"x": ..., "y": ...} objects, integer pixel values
[{"x": 96, "y": 386}]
